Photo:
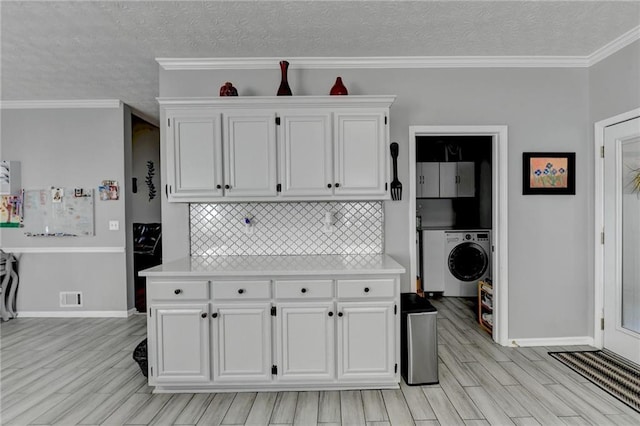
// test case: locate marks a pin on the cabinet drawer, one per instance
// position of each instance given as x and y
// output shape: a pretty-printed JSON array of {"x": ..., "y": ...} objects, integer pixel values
[
  {"x": 240, "y": 290},
  {"x": 178, "y": 290},
  {"x": 300, "y": 289},
  {"x": 366, "y": 288}
]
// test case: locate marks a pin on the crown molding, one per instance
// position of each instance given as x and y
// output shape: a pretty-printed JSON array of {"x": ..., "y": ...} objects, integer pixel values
[
  {"x": 61, "y": 104},
  {"x": 609, "y": 49},
  {"x": 373, "y": 62}
]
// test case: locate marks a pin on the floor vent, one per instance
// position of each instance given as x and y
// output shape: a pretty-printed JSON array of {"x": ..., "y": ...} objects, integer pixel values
[{"x": 70, "y": 298}]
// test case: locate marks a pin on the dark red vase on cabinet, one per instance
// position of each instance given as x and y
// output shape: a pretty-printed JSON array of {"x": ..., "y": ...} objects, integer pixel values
[
  {"x": 227, "y": 89},
  {"x": 338, "y": 88},
  {"x": 284, "y": 89}
]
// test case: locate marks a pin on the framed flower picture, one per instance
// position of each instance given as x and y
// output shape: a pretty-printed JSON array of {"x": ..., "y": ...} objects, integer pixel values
[{"x": 549, "y": 173}]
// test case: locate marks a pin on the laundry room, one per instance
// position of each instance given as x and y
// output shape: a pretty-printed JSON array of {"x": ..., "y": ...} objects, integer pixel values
[{"x": 454, "y": 217}]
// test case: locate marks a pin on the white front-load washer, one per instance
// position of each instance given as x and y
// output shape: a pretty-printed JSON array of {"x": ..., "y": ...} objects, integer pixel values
[{"x": 468, "y": 260}]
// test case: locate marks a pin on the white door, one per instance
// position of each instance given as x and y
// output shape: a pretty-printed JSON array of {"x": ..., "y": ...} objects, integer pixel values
[
  {"x": 366, "y": 340},
  {"x": 242, "y": 342},
  {"x": 305, "y": 335},
  {"x": 194, "y": 157},
  {"x": 306, "y": 156},
  {"x": 361, "y": 152},
  {"x": 622, "y": 239},
  {"x": 180, "y": 335},
  {"x": 250, "y": 154}
]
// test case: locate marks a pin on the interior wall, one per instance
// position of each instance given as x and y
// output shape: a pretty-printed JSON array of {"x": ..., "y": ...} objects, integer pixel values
[
  {"x": 614, "y": 88},
  {"x": 146, "y": 147},
  {"x": 545, "y": 109},
  {"x": 614, "y": 84},
  {"x": 72, "y": 147}
]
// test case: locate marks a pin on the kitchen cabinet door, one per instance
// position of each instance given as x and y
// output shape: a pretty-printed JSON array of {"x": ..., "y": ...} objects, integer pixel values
[
  {"x": 194, "y": 155},
  {"x": 306, "y": 157},
  {"x": 305, "y": 341},
  {"x": 366, "y": 340},
  {"x": 428, "y": 180},
  {"x": 179, "y": 336},
  {"x": 249, "y": 141},
  {"x": 448, "y": 180},
  {"x": 466, "y": 179},
  {"x": 457, "y": 179},
  {"x": 361, "y": 154},
  {"x": 242, "y": 343}
]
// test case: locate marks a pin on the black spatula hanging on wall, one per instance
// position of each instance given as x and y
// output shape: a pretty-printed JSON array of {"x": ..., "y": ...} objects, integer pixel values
[{"x": 396, "y": 186}]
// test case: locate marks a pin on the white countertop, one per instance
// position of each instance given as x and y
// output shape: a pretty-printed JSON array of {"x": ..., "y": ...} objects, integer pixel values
[{"x": 368, "y": 264}]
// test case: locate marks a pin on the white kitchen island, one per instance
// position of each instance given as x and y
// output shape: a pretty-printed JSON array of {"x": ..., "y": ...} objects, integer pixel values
[{"x": 248, "y": 323}]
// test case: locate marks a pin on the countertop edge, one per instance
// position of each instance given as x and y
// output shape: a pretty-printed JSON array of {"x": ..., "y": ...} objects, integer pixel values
[
  {"x": 270, "y": 273},
  {"x": 388, "y": 266}
]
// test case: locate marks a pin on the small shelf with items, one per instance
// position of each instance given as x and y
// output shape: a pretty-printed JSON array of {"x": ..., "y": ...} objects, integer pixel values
[{"x": 485, "y": 305}]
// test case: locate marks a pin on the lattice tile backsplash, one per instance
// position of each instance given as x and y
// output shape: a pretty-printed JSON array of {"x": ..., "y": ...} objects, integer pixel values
[{"x": 286, "y": 228}]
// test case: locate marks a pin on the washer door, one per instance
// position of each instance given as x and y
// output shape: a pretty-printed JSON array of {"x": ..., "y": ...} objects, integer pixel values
[{"x": 468, "y": 261}]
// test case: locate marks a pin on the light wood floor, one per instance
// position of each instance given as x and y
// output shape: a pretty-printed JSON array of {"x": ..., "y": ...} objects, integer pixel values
[{"x": 80, "y": 371}]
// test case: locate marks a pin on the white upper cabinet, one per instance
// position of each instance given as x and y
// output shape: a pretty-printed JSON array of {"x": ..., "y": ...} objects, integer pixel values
[
  {"x": 194, "y": 160},
  {"x": 277, "y": 148},
  {"x": 457, "y": 179},
  {"x": 361, "y": 153},
  {"x": 250, "y": 154},
  {"x": 428, "y": 180},
  {"x": 306, "y": 155},
  {"x": 445, "y": 180}
]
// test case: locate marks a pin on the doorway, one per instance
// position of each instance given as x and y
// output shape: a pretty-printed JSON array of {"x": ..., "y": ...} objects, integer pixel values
[
  {"x": 619, "y": 203},
  {"x": 145, "y": 203},
  {"x": 499, "y": 178}
]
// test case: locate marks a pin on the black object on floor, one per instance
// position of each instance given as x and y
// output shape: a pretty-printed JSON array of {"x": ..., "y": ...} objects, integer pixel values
[
  {"x": 614, "y": 374},
  {"x": 140, "y": 356}
]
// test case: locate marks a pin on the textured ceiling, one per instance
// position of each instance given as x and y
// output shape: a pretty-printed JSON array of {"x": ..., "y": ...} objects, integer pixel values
[{"x": 106, "y": 49}]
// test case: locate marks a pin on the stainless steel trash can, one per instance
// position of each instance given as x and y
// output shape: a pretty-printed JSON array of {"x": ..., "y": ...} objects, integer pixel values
[{"x": 419, "y": 340}]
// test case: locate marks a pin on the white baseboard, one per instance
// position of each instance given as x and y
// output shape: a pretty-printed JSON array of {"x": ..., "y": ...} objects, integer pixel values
[
  {"x": 74, "y": 314},
  {"x": 553, "y": 341}
]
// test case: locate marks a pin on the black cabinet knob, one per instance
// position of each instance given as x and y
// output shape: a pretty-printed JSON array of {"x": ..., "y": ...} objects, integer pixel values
[
  {"x": 328, "y": 185},
  {"x": 330, "y": 314},
  {"x": 337, "y": 185},
  {"x": 218, "y": 186},
  {"x": 303, "y": 290},
  {"x": 177, "y": 291},
  {"x": 227, "y": 187},
  {"x": 204, "y": 315},
  {"x": 214, "y": 315},
  {"x": 240, "y": 290},
  {"x": 366, "y": 289},
  {"x": 339, "y": 314}
]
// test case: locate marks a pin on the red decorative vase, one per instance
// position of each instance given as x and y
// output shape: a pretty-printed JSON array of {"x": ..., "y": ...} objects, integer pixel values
[
  {"x": 284, "y": 89},
  {"x": 227, "y": 89},
  {"x": 338, "y": 88}
]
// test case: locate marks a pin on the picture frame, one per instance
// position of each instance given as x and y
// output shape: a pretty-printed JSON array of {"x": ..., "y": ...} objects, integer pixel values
[{"x": 548, "y": 173}]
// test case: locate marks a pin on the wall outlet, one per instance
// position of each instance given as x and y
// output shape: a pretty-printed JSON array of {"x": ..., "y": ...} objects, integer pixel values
[{"x": 114, "y": 225}]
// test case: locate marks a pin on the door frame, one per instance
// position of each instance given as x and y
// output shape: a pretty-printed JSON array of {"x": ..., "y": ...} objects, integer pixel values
[
  {"x": 499, "y": 213},
  {"x": 598, "y": 264}
]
